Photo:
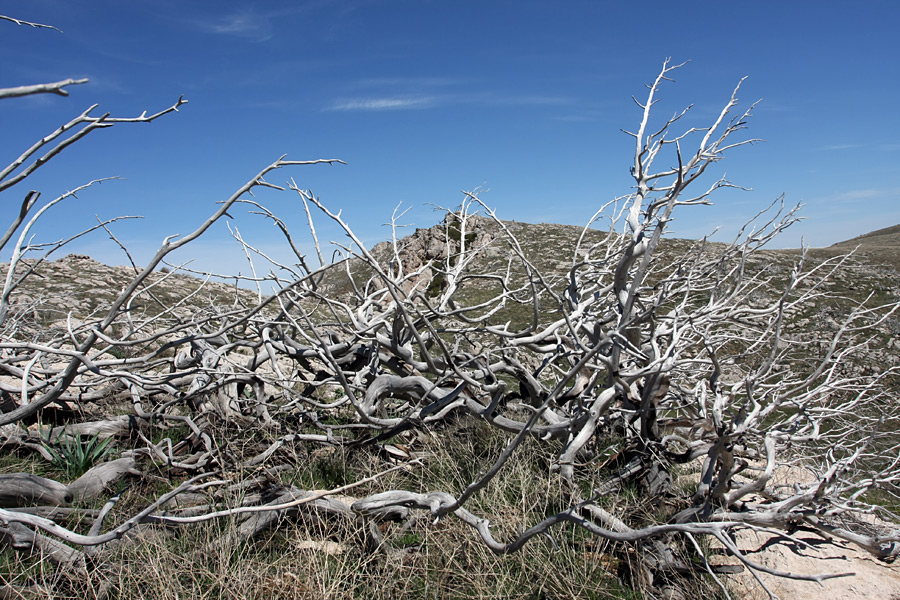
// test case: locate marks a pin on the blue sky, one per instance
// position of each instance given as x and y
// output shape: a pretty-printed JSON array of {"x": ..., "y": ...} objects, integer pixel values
[{"x": 522, "y": 99}]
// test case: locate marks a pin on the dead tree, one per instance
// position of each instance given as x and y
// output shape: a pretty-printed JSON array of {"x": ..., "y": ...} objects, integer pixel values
[{"x": 643, "y": 363}]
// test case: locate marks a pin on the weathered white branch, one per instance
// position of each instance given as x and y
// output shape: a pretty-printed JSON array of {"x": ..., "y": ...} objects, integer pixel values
[{"x": 57, "y": 88}]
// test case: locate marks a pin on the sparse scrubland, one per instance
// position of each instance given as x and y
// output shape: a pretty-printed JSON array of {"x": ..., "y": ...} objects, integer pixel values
[{"x": 484, "y": 409}]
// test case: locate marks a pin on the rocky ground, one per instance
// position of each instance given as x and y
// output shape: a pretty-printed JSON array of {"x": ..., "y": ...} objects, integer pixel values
[
  {"x": 871, "y": 579},
  {"x": 79, "y": 286}
]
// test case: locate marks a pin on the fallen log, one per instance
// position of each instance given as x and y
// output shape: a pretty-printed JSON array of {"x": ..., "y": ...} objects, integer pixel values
[
  {"x": 119, "y": 425},
  {"x": 24, "y": 489},
  {"x": 22, "y": 538},
  {"x": 99, "y": 478},
  {"x": 258, "y": 522}
]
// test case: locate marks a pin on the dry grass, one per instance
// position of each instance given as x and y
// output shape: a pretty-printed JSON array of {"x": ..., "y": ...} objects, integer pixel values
[{"x": 310, "y": 556}]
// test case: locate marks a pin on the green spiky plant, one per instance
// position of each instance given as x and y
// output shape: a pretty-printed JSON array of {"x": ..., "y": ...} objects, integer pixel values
[{"x": 76, "y": 456}]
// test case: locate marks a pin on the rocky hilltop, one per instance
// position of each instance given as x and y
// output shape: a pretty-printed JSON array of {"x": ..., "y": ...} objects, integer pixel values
[{"x": 549, "y": 247}]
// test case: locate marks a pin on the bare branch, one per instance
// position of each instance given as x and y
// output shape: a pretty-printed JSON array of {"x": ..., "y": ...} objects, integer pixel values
[
  {"x": 57, "y": 88},
  {"x": 28, "y": 23}
]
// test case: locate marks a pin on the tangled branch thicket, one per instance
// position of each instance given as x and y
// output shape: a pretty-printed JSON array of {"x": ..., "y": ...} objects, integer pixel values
[{"x": 684, "y": 383}]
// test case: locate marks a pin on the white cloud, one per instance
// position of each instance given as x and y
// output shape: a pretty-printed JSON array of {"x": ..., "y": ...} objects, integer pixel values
[
  {"x": 408, "y": 82},
  {"x": 383, "y": 103},
  {"x": 841, "y": 147},
  {"x": 880, "y": 147},
  {"x": 865, "y": 194},
  {"x": 102, "y": 83},
  {"x": 244, "y": 23},
  {"x": 413, "y": 102},
  {"x": 532, "y": 100}
]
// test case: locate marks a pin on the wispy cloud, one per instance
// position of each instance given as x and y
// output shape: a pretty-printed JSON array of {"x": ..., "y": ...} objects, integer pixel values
[
  {"x": 245, "y": 23},
  {"x": 383, "y": 103},
  {"x": 865, "y": 194},
  {"x": 576, "y": 118},
  {"x": 880, "y": 147},
  {"x": 407, "y": 82},
  {"x": 525, "y": 100},
  {"x": 258, "y": 24},
  {"x": 103, "y": 83},
  {"x": 430, "y": 91},
  {"x": 418, "y": 102},
  {"x": 831, "y": 147}
]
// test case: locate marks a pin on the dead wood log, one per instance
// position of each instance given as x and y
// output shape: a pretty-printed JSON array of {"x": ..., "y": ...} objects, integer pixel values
[
  {"x": 186, "y": 500},
  {"x": 23, "y": 489},
  {"x": 261, "y": 521},
  {"x": 24, "y": 539},
  {"x": 102, "y": 429},
  {"x": 14, "y": 440},
  {"x": 213, "y": 393},
  {"x": 100, "y": 477}
]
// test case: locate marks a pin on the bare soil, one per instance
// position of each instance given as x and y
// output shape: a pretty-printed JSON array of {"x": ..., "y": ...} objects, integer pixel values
[{"x": 872, "y": 579}]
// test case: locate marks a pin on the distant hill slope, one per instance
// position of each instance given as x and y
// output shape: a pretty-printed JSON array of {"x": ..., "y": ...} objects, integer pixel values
[
  {"x": 80, "y": 285},
  {"x": 889, "y": 237},
  {"x": 880, "y": 247},
  {"x": 83, "y": 286}
]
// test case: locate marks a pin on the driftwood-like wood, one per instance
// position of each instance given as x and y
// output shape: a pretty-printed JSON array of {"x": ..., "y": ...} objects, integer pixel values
[
  {"x": 99, "y": 478},
  {"x": 25, "y": 489},
  {"x": 101, "y": 429},
  {"x": 259, "y": 522},
  {"x": 24, "y": 539}
]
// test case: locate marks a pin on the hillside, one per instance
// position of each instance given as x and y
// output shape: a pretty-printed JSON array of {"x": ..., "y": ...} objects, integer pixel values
[
  {"x": 78, "y": 285},
  {"x": 889, "y": 237},
  {"x": 81, "y": 285},
  {"x": 880, "y": 247}
]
